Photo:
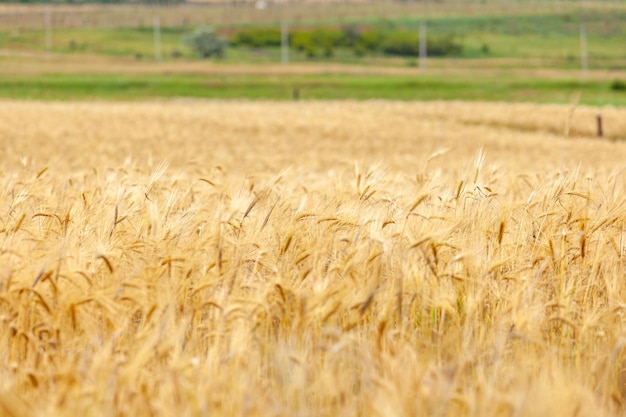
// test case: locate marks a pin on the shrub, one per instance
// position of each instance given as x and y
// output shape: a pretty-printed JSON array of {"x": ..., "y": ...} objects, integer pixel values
[
  {"x": 371, "y": 39},
  {"x": 402, "y": 43},
  {"x": 310, "y": 51},
  {"x": 618, "y": 85},
  {"x": 257, "y": 37},
  {"x": 359, "y": 50},
  {"x": 327, "y": 38},
  {"x": 351, "y": 35},
  {"x": 443, "y": 46},
  {"x": 323, "y": 41},
  {"x": 406, "y": 43},
  {"x": 205, "y": 42},
  {"x": 303, "y": 42}
]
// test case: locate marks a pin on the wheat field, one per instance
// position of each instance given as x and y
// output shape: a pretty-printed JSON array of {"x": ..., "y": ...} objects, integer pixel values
[{"x": 311, "y": 259}]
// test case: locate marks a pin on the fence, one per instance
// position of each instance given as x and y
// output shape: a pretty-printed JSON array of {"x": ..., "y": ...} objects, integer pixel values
[
  {"x": 250, "y": 12},
  {"x": 295, "y": 15}
]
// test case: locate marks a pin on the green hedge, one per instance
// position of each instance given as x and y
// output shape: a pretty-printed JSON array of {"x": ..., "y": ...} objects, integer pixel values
[
  {"x": 443, "y": 46},
  {"x": 256, "y": 37},
  {"x": 371, "y": 39},
  {"x": 406, "y": 43},
  {"x": 403, "y": 43},
  {"x": 323, "y": 41}
]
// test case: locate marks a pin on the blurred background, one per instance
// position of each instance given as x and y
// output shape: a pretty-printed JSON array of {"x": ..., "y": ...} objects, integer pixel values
[{"x": 510, "y": 50}]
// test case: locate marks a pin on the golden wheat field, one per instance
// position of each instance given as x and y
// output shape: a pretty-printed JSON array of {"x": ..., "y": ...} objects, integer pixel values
[{"x": 311, "y": 259}]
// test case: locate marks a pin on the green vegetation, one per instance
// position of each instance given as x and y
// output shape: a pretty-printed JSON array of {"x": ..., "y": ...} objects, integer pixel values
[
  {"x": 205, "y": 43},
  {"x": 402, "y": 43},
  {"x": 132, "y": 42},
  {"x": 618, "y": 85},
  {"x": 261, "y": 37},
  {"x": 496, "y": 44},
  {"x": 320, "y": 86},
  {"x": 323, "y": 41},
  {"x": 551, "y": 38}
]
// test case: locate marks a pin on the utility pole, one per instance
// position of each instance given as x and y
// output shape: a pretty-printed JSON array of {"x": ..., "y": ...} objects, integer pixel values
[
  {"x": 284, "y": 42},
  {"x": 584, "y": 58},
  {"x": 156, "y": 24}
]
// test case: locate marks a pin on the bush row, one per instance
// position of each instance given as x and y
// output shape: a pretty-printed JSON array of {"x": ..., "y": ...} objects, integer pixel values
[{"x": 323, "y": 41}]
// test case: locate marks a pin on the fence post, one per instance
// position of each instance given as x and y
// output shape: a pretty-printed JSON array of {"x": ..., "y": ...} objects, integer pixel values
[{"x": 599, "y": 123}]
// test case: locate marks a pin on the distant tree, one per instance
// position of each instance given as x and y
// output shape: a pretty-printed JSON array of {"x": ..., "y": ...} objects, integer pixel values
[{"x": 205, "y": 42}]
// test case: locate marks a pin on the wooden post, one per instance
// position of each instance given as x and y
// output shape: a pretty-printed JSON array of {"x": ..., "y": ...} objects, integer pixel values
[{"x": 599, "y": 123}]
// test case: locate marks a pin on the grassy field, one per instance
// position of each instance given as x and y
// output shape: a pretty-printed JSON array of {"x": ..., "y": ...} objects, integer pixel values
[
  {"x": 312, "y": 87},
  {"x": 552, "y": 37},
  {"x": 67, "y": 77},
  {"x": 321, "y": 259}
]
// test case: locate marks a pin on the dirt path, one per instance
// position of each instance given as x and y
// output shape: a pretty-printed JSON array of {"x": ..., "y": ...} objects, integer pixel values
[{"x": 13, "y": 63}]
